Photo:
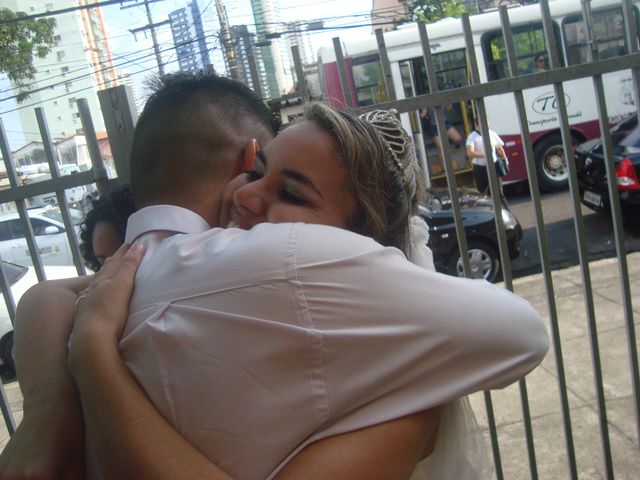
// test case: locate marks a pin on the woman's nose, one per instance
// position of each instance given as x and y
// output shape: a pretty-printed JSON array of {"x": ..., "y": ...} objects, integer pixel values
[{"x": 250, "y": 198}]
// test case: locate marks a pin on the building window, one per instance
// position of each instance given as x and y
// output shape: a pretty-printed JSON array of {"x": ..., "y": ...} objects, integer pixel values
[
  {"x": 48, "y": 7},
  {"x": 67, "y": 86},
  {"x": 61, "y": 55},
  {"x": 64, "y": 70}
]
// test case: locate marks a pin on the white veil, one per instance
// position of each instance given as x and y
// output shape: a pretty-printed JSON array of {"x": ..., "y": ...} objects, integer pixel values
[{"x": 460, "y": 452}]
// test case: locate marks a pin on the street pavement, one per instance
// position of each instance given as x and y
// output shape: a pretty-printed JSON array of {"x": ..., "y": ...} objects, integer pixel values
[
  {"x": 542, "y": 384},
  {"x": 560, "y": 231}
]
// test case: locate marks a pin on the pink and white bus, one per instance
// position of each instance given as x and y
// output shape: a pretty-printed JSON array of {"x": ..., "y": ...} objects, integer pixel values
[{"x": 451, "y": 65}]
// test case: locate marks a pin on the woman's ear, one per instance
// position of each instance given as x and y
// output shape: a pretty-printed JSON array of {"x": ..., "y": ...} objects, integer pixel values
[{"x": 249, "y": 155}]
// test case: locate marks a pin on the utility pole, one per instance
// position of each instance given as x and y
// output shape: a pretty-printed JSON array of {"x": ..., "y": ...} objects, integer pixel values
[{"x": 150, "y": 26}]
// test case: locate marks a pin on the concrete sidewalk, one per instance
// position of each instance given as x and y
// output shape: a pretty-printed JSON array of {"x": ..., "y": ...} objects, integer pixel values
[
  {"x": 543, "y": 389},
  {"x": 542, "y": 384}
]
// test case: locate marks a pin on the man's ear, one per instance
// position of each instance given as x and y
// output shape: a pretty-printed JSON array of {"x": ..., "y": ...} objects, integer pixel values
[{"x": 249, "y": 153}]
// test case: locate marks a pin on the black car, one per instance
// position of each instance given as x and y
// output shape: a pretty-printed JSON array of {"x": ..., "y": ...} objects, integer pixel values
[
  {"x": 592, "y": 176},
  {"x": 478, "y": 218}
]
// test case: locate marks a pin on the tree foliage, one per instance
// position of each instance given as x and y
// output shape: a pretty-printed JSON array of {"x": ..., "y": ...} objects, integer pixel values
[
  {"x": 430, "y": 11},
  {"x": 20, "y": 43}
]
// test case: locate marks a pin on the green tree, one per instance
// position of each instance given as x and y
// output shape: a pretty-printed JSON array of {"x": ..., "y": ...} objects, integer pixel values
[
  {"x": 430, "y": 11},
  {"x": 20, "y": 43}
]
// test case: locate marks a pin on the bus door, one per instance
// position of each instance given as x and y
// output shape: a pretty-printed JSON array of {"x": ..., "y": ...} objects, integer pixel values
[
  {"x": 452, "y": 72},
  {"x": 409, "y": 89}
]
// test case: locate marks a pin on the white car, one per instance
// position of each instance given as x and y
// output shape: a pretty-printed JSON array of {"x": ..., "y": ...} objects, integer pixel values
[
  {"x": 49, "y": 230},
  {"x": 21, "y": 278}
]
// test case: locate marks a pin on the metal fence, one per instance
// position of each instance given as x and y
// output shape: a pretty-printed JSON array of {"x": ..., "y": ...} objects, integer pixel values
[
  {"x": 120, "y": 118},
  {"x": 515, "y": 85}
]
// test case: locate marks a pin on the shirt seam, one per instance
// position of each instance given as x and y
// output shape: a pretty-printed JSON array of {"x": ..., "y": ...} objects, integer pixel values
[{"x": 316, "y": 361}]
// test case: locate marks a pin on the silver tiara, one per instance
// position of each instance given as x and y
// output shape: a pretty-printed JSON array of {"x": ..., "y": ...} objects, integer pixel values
[{"x": 396, "y": 139}]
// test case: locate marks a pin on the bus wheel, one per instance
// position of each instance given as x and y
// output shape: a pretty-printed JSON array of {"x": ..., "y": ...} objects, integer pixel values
[{"x": 553, "y": 173}]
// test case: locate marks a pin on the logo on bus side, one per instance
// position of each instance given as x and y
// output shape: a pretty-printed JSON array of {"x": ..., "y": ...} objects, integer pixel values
[{"x": 547, "y": 104}]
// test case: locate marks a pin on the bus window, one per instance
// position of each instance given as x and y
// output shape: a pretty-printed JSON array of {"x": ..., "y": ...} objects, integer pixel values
[
  {"x": 529, "y": 44},
  {"x": 451, "y": 72},
  {"x": 608, "y": 36},
  {"x": 368, "y": 81},
  {"x": 450, "y": 67}
]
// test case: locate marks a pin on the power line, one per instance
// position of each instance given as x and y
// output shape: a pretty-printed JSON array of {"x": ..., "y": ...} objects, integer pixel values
[
  {"x": 105, "y": 68},
  {"x": 197, "y": 39},
  {"x": 282, "y": 24},
  {"x": 52, "y": 13},
  {"x": 22, "y": 107}
]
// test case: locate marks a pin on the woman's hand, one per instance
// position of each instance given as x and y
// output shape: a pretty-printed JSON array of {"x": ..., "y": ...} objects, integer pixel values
[{"x": 103, "y": 306}]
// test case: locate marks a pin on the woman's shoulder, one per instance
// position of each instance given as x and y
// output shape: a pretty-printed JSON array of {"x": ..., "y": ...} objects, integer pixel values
[{"x": 472, "y": 136}]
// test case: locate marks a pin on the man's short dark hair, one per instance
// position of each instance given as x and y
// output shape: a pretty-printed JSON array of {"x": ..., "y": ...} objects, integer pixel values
[{"x": 192, "y": 128}]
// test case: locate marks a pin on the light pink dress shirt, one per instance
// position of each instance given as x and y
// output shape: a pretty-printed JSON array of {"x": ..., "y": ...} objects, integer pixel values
[{"x": 255, "y": 343}]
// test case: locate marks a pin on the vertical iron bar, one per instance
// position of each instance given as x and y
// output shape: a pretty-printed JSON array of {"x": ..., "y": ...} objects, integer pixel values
[
  {"x": 21, "y": 205},
  {"x": 505, "y": 260},
  {"x": 6, "y": 411},
  {"x": 580, "y": 238},
  {"x": 97, "y": 164},
  {"x": 386, "y": 66},
  {"x": 543, "y": 246},
  {"x": 629, "y": 18},
  {"x": 496, "y": 197},
  {"x": 493, "y": 433},
  {"x": 52, "y": 160},
  {"x": 628, "y": 12},
  {"x": 342, "y": 70},
  {"x": 618, "y": 234},
  {"x": 587, "y": 20},
  {"x": 302, "y": 83},
  {"x": 448, "y": 167},
  {"x": 11, "y": 309}
]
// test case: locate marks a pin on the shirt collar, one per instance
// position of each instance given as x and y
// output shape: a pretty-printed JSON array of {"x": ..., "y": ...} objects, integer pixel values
[{"x": 169, "y": 218}]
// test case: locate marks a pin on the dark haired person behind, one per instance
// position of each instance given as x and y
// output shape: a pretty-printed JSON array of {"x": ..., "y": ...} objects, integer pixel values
[{"x": 103, "y": 229}]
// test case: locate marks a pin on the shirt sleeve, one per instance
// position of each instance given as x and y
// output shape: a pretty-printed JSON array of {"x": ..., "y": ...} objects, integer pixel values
[
  {"x": 397, "y": 339},
  {"x": 496, "y": 139},
  {"x": 470, "y": 139}
]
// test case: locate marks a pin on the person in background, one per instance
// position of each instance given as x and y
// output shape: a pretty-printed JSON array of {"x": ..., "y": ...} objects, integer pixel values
[
  {"x": 476, "y": 150},
  {"x": 428, "y": 121},
  {"x": 103, "y": 229},
  {"x": 539, "y": 64}
]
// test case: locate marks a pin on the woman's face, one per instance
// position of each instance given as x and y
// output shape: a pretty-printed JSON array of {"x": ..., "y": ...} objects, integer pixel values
[{"x": 298, "y": 178}]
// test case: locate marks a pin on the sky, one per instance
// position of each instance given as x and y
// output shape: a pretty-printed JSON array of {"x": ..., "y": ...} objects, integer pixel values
[
  {"x": 119, "y": 21},
  {"x": 134, "y": 53}
]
